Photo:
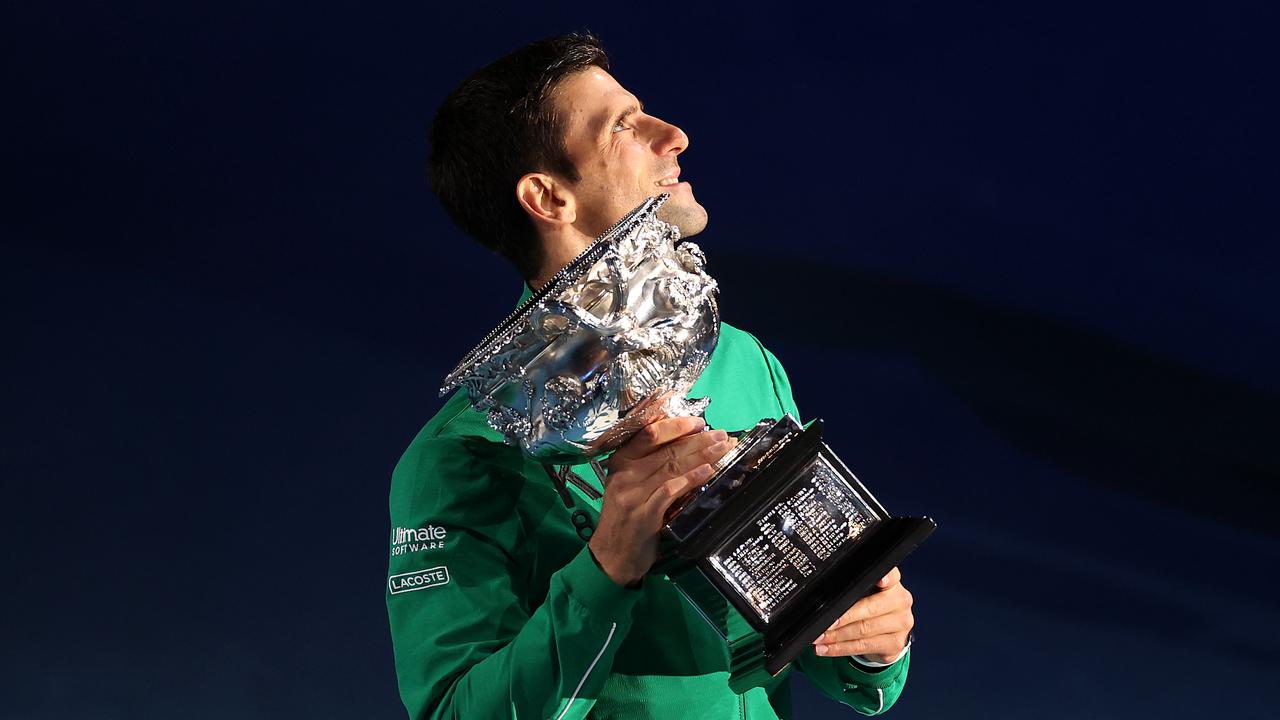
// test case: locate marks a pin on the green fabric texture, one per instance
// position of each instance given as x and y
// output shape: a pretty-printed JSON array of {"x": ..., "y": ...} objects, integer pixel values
[{"x": 522, "y": 623}]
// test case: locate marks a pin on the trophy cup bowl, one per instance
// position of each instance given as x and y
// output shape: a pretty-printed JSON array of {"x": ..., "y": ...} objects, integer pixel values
[
  {"x": 616, "y": 338},
  {"x": 782, "y": 531}
]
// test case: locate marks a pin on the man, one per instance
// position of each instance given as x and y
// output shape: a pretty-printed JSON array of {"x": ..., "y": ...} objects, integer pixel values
[{"x": 510, "y": 596}]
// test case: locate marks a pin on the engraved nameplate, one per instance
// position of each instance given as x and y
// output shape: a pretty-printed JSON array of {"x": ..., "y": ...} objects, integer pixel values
[{"x": 817, "y": 517}]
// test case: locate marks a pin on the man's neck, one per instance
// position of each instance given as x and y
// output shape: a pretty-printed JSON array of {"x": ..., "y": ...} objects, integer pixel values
[{"x": 558, "y": 251}]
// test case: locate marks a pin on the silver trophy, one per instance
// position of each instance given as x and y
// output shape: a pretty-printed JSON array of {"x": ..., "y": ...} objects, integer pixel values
[{"x": 783, "y": 530}]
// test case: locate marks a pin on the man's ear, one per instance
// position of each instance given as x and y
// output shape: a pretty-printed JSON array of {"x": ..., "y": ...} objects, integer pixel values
[{"x": 546, "y": 199}]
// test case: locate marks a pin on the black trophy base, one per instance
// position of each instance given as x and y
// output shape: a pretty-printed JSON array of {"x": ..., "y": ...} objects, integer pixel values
[{"x": 789, "y": 537}]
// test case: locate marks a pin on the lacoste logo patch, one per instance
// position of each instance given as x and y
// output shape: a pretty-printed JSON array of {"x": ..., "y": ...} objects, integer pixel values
[{"x": 418, "y": 580}]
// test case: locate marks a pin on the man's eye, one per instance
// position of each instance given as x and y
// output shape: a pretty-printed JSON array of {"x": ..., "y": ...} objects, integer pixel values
[{"x": 620, "y": 126}]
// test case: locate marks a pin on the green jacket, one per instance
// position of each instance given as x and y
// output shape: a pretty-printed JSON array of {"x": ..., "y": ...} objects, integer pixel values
[{"x": 497, "y": 609}]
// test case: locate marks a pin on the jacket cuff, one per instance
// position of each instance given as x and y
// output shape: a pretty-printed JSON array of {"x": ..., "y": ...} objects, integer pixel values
[
  {"x": 874, "y": 666},
  {"x": 591, "y": 588},
  {"x": 855, "y": 673}
]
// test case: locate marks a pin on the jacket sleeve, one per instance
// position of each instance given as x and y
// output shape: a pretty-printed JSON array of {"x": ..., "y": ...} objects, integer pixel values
[
  {"x": 870, "y": 692},
  {"x": 467, "y": 642}
]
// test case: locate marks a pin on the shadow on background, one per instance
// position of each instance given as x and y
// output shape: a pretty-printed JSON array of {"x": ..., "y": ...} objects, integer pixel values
[{"x": 1087, "y": 403}]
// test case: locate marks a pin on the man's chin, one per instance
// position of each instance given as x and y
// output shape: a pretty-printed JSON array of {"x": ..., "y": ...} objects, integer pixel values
[{"x": 688, "y": 215}]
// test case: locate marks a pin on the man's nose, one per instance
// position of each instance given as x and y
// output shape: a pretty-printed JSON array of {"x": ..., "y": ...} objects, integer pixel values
[{"x": 668, "y": 139}]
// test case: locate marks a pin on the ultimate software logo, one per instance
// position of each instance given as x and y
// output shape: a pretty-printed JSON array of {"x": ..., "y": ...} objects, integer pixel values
[{"x": 405, "y": 540}]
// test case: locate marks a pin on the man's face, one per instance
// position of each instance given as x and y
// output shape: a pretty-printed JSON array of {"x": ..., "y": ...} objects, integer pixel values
[{"x": 622, "y": 155}]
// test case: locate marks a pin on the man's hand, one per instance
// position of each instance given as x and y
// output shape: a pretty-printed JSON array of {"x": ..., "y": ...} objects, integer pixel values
[
  {"x": 876, "y": 627},
  {"x": 645, "y": 476}
]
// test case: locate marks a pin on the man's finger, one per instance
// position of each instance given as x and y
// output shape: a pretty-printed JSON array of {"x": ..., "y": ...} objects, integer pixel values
[
  {"x": 886, "y": 645},
  {"x": 667, "y": 492},
  {"x": 897, "y": 622},
  {"x": 880, "y": 602},
  {"x": 656, "y": 434},
  {"x": 682, "y": 455},
  {"x": 893, "y": 578}
]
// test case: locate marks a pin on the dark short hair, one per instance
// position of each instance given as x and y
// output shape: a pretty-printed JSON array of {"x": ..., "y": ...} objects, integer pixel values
[{"x": 497, "y": 126}]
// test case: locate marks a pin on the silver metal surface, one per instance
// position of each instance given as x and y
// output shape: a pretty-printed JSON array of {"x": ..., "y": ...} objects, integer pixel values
[{"x": 618, "y": 336}]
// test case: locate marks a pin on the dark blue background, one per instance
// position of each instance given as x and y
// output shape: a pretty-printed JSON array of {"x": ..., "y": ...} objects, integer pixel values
[{"x": 1022, "y": 260}]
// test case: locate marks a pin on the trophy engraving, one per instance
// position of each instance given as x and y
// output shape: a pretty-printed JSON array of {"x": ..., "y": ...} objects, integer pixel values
[{"x": 766, "y": 563}]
